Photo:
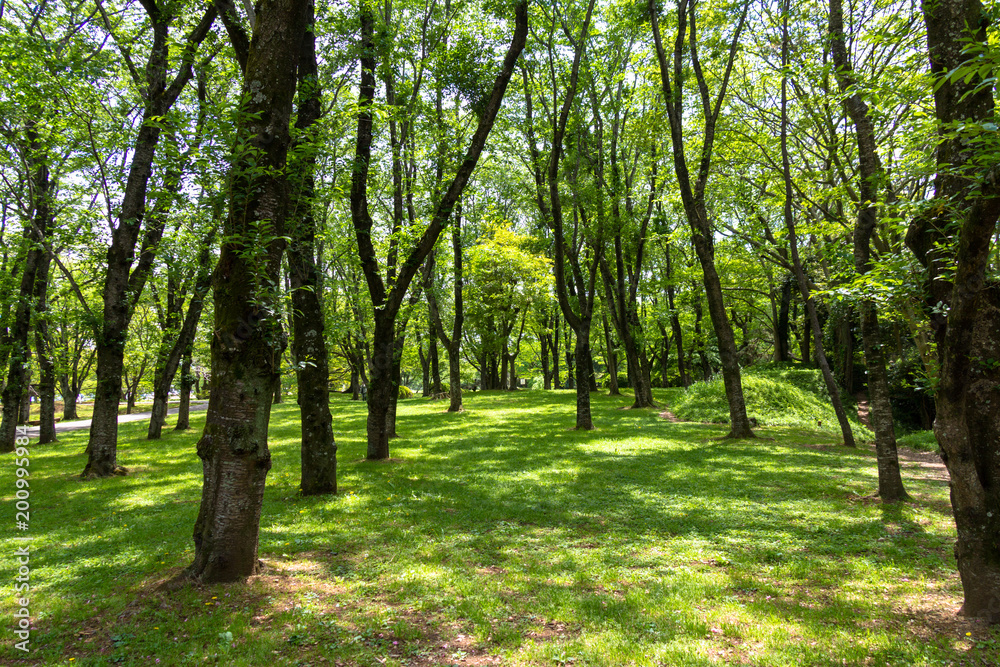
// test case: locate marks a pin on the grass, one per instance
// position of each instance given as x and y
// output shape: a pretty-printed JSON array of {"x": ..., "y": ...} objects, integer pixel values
[
  {"x": 777, "y": 394},
  {"x": 500, "y": 536},
  {"x": 923, "y": 441},
  {"x": 86, "y": 410}
]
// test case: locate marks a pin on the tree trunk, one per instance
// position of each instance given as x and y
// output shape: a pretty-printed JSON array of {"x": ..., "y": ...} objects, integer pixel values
[
  {"x": 544, "y": 343},
  {"x": 312, "y": 368},
  {"x": 380, "y": 389},
  {"x": 781, "y": 345},
  {"x": 46, "y": 363},
  {"x": 556, "y": 384},
  {"x": 170, "y": 361},
  {"x": 963, "y": 307},
  {"x": 248, "y": 340},
  {"x": 69, "y": 406},
  {"x": 612, "y": 360},
  {"x": 693, "y": 195},
  {"x": 584, "y": 373},
  {"x": 123, "y": 282},
  {"x": 425, "y": 369},
  {"x": 184, "y": 404},
  {"x": 25, "y": 415},
  {"x": 435, "y": 366},
  {"x": 890, "y": 482},
  {"x": 35, "y": 255},
  {"x": 831, "y": 384},
  {"x": 388, "y": 299}
]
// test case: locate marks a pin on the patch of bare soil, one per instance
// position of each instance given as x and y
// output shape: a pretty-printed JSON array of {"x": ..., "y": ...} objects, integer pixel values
[
  {"x": 864, "y": 408},
  {"x": 669, "y": 416},
  {"x": 927, "y": 465}
]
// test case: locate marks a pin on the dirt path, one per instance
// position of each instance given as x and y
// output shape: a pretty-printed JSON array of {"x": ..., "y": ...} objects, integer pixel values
[
  {"x": 922, "y": 464},
  {"x": 83, "y": 424}
]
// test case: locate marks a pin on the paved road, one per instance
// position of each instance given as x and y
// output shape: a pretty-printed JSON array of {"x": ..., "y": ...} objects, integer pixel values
[{"x": 83, "y": 424}]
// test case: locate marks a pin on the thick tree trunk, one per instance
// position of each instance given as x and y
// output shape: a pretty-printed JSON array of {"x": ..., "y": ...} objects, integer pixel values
[
  {"x": 967, "y": 424},
  {"x": 46, "y": 393},
  {"x": 454, "y": 381},
  {"x": 184, "y": 404},
  {"x": 248, "y": 340},
  {"x": 25, "y": 415},
  {"x": 380, "y": 389},
  {"x": 69, "y": 406},
  {"x": 584, "y": 373}
]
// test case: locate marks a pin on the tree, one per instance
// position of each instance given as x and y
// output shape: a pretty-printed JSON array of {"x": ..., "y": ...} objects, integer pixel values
[
  {"x": 248, "y": 340},
  {"x": 693, "y": 192},
  {"x": 127, "y": 274},
  {"x": 793, "y": 246},
  {"x": 387, "y": 296},
  {"x": 963, "y": 305},
  {"x": 890, "y": 482},
  {"x": 37, "y": 230},
  {"x": 312, "y": 368},
  {"x": 578, "y": 286}
]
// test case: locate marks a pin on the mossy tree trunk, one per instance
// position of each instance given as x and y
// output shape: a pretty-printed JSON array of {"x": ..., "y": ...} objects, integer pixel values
[{"x": 248, "y": 341}]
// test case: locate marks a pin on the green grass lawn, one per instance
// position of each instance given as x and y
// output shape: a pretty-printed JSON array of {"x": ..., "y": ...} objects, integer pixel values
[{"x": 500, "y": 536}]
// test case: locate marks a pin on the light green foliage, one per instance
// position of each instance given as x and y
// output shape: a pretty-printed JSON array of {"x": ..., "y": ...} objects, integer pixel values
[
  {"x": 776, "y": 395},
  {"x": 405, "y": 392}
]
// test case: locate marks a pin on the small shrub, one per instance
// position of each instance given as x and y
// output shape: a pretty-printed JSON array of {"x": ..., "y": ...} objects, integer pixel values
[{"x": 405, "y": 392}]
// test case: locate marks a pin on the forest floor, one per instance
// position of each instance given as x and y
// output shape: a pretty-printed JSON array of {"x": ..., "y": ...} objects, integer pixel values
[{"x": 500, "y": 536}]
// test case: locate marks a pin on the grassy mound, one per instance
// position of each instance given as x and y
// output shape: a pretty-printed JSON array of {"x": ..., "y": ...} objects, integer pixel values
[{"x": 776, "y": 395}]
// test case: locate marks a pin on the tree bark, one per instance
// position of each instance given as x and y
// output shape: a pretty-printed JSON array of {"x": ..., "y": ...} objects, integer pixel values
[
  {"x": 184, "y": 403},
  {"x": 963, "y": 307},
  {"x": 248, "y": 339},
  {"x": 781, "y": 345},
  {"x": 185, "y": 338},
  {"x": 890, "y": 481},
  {"x": 612, "y": 360},
  {"x": 34, "y": 239},
  {"x": 312, "y": 367},
  {"x": 567, "y": 254},
  {"x": 43, "y": 352},
  {"x": 387, "y": 300}
]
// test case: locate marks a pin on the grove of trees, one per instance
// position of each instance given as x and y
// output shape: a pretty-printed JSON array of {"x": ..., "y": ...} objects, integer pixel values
[{"x": 232, "y": 199}]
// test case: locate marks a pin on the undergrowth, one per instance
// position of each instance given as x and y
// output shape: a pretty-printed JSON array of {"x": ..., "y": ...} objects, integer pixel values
[{"x": 776, "y": 395}]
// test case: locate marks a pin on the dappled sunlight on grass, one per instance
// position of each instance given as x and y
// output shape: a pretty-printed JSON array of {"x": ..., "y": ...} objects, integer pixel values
[{"x": 501, "y": 536}]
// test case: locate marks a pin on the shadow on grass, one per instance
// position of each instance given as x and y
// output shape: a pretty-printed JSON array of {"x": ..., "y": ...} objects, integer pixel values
[{"x": 499, "y": 520}]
